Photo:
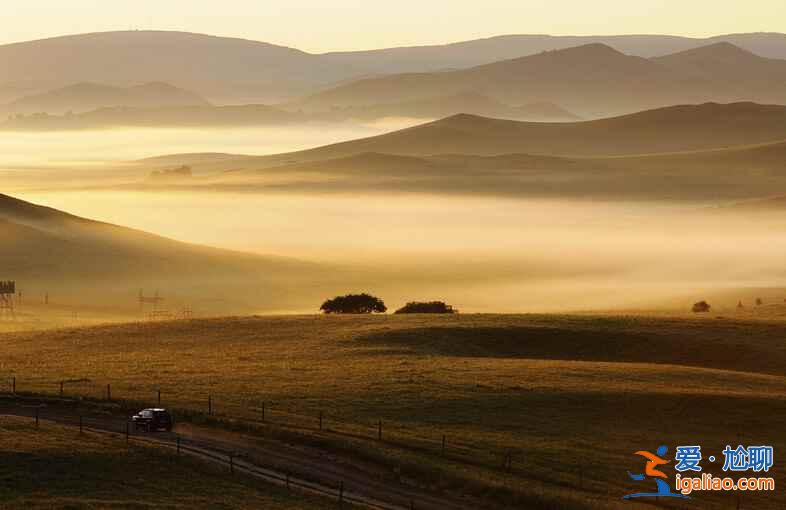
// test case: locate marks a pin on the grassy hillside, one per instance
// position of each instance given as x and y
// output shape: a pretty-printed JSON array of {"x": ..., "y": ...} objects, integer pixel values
[
  {"x": 54, "y": 467},
  {"x": 571, "y": 397},
  {"x": 79, "y": 261}
]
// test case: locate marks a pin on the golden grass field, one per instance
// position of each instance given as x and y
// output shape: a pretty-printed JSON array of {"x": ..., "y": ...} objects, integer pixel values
[
  {"x": 572, "y": 397},
  {"x": 55, "y": 467}
]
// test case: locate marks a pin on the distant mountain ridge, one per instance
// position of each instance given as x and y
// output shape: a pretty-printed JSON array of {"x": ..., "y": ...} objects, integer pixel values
[
  {"x": 471, "y": 53},
  {"x": 86, "y": 96},
  {"x": 593, "y": 80},
  {"x": 231, "y": 70}
]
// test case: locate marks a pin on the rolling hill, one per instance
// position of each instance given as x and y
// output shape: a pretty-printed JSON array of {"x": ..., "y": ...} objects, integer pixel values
[
  {"x": 80, "y": 261},
  {"x": 671, "y": 129},
  {"x": 594, "y": 80},
  {"x": 222, "y": 69},
  {"x": 709, "y": 152},
  {"x": 229, "y": 70},
  {"x": 83, "y": 97},
  {"x": 476, "y": 52},
  {"x": 718, "y": 176},
  {"x": 731, "y": 72}
]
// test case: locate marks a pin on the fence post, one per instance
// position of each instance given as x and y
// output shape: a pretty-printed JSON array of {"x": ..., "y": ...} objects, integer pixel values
[
  {"x": 411, "y": 504},
  {"x": 231, "y": 463},
  {"x": 287, "y": 482},
  {"x": 36, "y": 417},
  {"x": 379, "y": 431},
  {"x": 209, "y": 405},
  {"x": 109, "y": 392},
  {"x": 159, "y": 397},
  {"x": 341, "y": 494},
  {"x": 263, "y": 410},
  {"x": 80, "y": 424},
  {"x": 320, "y": 420},
  {"x": 128, "y": 430},
  {"x": 443, "y": 445},
  {"x": 13, "y": 385},
  {"x": 61, "y": 388}
]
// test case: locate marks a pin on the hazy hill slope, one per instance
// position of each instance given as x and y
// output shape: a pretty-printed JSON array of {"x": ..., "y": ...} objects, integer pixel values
[
  {"x": 481, "y": 51},
  {"x": 78, "y": 259},
  {"x": 731, "y": 73},
  {"x": 218, "y": 67},
  {"x": 586, "y": 79},
  {"x": 677, "y": 128},
  {"x": 445, "y": 105},
  {"x": 82, "y": 97},
  {"x": 194, "y": 116},
  {"x": 237, "y": 70},
  {"x": 719, "y": 176},
  {"x": 594, "y": 80}
]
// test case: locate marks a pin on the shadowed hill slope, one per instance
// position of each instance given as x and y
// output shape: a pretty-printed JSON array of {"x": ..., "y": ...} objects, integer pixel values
[{"x": 77, "y": 260}]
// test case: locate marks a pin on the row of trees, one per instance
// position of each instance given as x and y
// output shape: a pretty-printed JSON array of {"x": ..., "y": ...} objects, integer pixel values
[
  {"x": 366, "y": 303},
  {"x": 704, "y": 307}
]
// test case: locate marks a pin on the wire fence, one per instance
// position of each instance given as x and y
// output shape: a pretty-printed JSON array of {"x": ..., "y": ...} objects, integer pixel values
[
  {"x": 258, "y": 412},
  {"x": 232, "y": 460}
]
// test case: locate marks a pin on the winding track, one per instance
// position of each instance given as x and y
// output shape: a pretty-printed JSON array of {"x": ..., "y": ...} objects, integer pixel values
[{"x": 305, "y": 469}]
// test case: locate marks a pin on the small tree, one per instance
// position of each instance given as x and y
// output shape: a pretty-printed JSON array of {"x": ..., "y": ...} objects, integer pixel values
[
  {"x": 701, "y": 307},
  {"x": 759, "y": 301},
  {"x": 354, "y": 303},
  {"x": 426, "y": 307}
]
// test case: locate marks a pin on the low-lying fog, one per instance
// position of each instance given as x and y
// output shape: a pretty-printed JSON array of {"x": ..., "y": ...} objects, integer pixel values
[
  {"x": 68, "y": 148},
  {"x": 479, "y": 253},
  {"x": 483, "y": 254}
]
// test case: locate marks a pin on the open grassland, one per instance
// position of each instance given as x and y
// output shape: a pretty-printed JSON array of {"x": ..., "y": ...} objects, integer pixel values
[
  {"x": 54, "y": 467},
  {"x": 569, "y": 397}
]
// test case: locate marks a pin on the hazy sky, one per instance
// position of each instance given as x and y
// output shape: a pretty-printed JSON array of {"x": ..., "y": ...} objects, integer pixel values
[{"x": 324, "y": 25}]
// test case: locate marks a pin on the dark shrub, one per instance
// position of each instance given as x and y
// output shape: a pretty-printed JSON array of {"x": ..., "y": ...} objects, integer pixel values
[
  {"x": 701, "y": 307},
  {"x": 354, "y": 303},
  {"x": 429, "y": 307}
]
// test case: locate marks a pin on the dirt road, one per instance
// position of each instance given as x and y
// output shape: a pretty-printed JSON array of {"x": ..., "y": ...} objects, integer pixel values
[{"x": 303, "y": 467}]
